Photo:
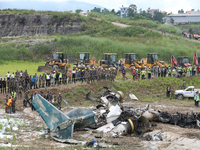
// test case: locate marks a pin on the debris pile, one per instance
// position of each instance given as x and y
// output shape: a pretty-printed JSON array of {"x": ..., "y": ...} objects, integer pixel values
[{"x": 109, "y": 117}]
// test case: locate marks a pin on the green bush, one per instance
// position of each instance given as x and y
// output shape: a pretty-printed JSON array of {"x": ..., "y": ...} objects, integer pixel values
[
  {"x": 170, "y": 29},
  {"x": 84, "y": 26}
]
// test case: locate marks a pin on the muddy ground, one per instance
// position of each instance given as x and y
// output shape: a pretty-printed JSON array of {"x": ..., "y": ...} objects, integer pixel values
[{"x": 42, "y": 140}]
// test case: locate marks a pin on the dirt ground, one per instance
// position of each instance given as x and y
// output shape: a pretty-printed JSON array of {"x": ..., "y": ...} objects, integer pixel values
[{"x": 125, "y": 142}]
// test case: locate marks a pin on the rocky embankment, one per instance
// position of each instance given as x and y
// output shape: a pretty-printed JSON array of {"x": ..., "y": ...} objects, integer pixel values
[{"x": 37, "y": 25}]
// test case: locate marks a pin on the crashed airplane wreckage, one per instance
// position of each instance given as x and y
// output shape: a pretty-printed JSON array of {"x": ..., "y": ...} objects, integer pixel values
[{"x": 109, "y": 116}]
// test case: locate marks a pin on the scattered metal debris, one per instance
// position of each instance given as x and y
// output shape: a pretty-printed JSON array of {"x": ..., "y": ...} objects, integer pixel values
[{"x": 109, "y": 117}]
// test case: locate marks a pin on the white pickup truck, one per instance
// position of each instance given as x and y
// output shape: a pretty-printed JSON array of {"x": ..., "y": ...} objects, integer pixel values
[{"x": 188, "y": 92}]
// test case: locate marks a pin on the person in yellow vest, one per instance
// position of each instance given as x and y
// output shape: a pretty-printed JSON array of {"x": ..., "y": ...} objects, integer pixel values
[
  {"x": 14, "y": 93},
  {"x": 195, "y": 70},
  {"x": 196, "y": 99},
  {"x": 60, "y": 78},
  {"x": 149, "y": 73},
  {"x": 190, "y": 67}
]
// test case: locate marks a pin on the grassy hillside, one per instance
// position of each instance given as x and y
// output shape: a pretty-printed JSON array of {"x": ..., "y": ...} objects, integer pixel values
[
  {"x": 153, "y": 90},
  {"x": 98, "y": 37},
  {"x": 141, "y": 45}
]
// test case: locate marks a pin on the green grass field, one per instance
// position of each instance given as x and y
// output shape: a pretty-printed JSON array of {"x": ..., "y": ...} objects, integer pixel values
[{"x": 12, "y": 66}]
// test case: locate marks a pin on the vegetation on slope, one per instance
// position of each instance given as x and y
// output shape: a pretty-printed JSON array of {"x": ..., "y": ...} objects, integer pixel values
[{"x": 153, "y": 90}]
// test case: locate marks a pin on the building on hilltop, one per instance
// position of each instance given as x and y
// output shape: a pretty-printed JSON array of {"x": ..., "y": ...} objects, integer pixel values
[
  {"x": 71, "y": 11},
  {"x": 83, "y": 13},
  {"x": 151, "y": 11},
  {"x": 182, "y": 18},
  {"x": 124, "y": 11}
]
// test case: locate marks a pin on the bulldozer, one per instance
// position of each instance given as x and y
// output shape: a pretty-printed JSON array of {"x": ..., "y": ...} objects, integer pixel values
[
  {"x": 109, "y": 60},
  {"x": 84, "y": 61},
  {"x": 59, "y": 61},
  {"x": 152, "y": 60},
  {"x": 130, "y": 62}
]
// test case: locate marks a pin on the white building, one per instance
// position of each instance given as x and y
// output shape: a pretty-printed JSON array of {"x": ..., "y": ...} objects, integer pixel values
[
  {"x": 124, "y": 11},
  {"x": 182, "y": 18},
  {"x": 83, "y": 13}
]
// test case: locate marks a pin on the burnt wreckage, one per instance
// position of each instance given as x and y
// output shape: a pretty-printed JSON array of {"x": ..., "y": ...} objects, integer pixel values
[{"x": 109, "y": 117}]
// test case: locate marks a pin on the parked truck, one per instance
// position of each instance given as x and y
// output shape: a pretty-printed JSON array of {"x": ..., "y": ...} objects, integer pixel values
[{"x": 188, "y": 92}]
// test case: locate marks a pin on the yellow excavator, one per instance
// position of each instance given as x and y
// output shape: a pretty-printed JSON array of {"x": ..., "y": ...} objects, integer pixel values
[
  {"x": 59, "y": 61},
  {"x": 109, "y": 60},
  {"x": 83, "y": 61},
  {"x": 130, "y": 62},
  {"x": 152, "y": 60}
]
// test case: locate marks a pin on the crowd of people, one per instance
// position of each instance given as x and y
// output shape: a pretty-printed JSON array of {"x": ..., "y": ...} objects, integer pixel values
[
  {"x": 190, "y": 36},
  {"x": 20, "y": 81},
  {"x": 156, "y": 71},
  {"x": 53, "y": 99}
]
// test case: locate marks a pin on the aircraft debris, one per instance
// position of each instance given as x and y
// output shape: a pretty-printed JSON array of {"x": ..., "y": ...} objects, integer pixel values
[{"x": 109, "y": 117}]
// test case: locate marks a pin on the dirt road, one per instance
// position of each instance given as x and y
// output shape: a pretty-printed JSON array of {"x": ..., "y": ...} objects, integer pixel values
[{"x": 121, "y": 25}]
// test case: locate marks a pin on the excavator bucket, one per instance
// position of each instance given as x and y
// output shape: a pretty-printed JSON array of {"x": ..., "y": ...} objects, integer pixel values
[
  {"x": 129, "y": 71},
  {"x": 44, "y": 69}
]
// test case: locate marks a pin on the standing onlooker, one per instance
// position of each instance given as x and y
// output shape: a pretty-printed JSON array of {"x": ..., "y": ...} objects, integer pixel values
[
  {"x": 8, "y": 76},
  {"x": 69, "y": 76},
  {"x": 184, "y": 84},
  {"x": 4, "y": 85},
  {"x": 168, "y": 91},
  {"x": 134, "y": 74},
  {"x": 123, "y": 73},
  {"x": 169, "y": 71},
  {"x": 198, "y": 70},
  {"x": 73, "y": 76},
  {"x": 36, "y": 80}
]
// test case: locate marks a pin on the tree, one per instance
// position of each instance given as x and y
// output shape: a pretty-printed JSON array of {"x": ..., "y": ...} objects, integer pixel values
[
  {"x": 171, "y": 20},
  {"x": 118, "y": 13},
  {"x": 78, "y": 11},
  {"x": 132, "y": 9},
  {"x": 190, "y": 30},
  {"x": 113, "y": 11},
  {"x": 98, "y": 10},
  {"x": 105, "y": 11},
  {"x": 158, "y": 16},
  {"x": 146, "y": 15}
]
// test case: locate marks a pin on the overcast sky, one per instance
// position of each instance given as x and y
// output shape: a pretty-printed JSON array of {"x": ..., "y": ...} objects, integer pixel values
[{"x": 164, "y": 5}]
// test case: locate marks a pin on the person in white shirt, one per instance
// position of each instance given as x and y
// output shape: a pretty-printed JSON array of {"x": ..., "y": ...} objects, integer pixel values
[
  {"x": 53, "y": 79},
  {"x": 13, "y": 75},
  {"x": 8, "y": 76}
]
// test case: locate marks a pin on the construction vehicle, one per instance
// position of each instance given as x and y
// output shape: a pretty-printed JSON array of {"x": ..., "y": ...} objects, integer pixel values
[
  {"x": 59, "y": 61},
  {"x": 196, "y": 59},
  {"x": 109, "y": 60},
  {"x": 152, "y": 60},
  {"x": 130, "y": 62},
  {"x": 183, "y": 61},
  {"x": 83, "y": 61}
]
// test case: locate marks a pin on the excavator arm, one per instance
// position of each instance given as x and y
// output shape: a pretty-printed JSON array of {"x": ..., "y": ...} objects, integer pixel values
[
  {"x": 173, "y": 61},
  {"x": 195, "y": 58}
]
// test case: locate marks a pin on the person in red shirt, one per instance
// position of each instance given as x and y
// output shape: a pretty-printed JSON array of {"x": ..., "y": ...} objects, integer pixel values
[
  {"x": 198, "y": 70},
  {"x": 134, "y": 74}
]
